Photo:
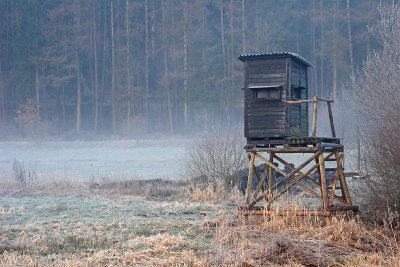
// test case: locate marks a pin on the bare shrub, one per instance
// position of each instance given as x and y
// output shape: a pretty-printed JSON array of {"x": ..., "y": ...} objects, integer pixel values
[
  {"x": 22, "y": 177},
  {"x": 378, "y": 98},
  {"x": 216, "y": 157}
]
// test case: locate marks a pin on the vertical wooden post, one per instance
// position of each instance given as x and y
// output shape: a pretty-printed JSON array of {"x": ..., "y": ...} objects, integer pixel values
[
  {"x": 343, "y": 183},
  {"x": 324, "y": 189},
  {"x": 250, "y": 178},
  {"x": 315, "y": 115},
  {"x": 270, "y": 174},
  {"x": 331, "y": 119},
  {"x": 333, "y": 189}
]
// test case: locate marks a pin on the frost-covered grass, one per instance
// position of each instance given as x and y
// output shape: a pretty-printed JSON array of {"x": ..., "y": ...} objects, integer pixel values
[
  {"x": 174, "y": 226},
  {"x": 83, "y": 160},
  {"x": 101, "y": 230}
]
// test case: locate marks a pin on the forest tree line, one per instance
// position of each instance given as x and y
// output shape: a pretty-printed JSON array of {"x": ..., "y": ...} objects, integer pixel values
[{"x": 130, "y": 67}]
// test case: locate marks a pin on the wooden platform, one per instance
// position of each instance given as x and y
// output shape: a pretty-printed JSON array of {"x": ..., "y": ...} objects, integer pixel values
[{"x": 290, "y": 141}]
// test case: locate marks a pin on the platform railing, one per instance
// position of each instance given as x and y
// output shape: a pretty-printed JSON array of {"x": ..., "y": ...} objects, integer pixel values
[{"x": 315, "y": 101}]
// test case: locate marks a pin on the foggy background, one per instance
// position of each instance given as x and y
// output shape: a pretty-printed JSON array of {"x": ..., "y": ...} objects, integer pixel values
[{"x": 157, "y": 70}]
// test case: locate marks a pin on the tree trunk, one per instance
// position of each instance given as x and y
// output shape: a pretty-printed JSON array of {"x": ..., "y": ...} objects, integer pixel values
[
  {"x": 227, "y": 99},
  {"x": 350, "y": 37},
  {"x": 96, "y": 69},
  {"x": 37, "y": 89},
  {"x": 113, "y": 95},
  {"x": 103, "y": 63},
  {"x": 350, "y": 40},
  {"x": 78, "y": 76},
  {"x": 128, "y": 65},
  {"x": 146, "y": 68},
  {"x": 315, "y": 91},
  {"x": 322, "y": 50},
  {"x": 2, "y": 96},
  {"x": 166, "y": 69},
  {"x": 185, "y": 64},
  {"x": 231, "y": 53},
  {"x": 334, "y": 85},
  {"x": 243, "y": 28}
]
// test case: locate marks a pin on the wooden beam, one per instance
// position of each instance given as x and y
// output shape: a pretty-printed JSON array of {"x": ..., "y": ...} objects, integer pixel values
[
  {"x": 308, "y": 178},
  {"x": 286, "y": 176},
  {"x": 342, "y": 178},
  {"x": 286, "y": 212},
  {"x": 250, "y": 178},
  {"x": 270, "y": 164},
  {"x": 325, "y": 99},
  {"x": 331, "y": 119},
  {"x": 296, "y": 181},
  {"x": 286, "y": 149},
  {"x": 290, "y": 102},
  {"x": 315, "y": 117},
  {"x": 332, "y": 192},
  {"x": 261, "y": 181},
  {"x": 270, "y": 174},
  {"x": 324, "y": 190}
]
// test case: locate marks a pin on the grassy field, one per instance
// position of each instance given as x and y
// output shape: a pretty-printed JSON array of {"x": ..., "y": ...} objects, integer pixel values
[{"x": 123, "y": 224}]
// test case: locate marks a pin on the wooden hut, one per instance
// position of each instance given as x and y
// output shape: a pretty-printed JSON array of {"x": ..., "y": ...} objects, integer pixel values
[{"x": 271, "y": 79}]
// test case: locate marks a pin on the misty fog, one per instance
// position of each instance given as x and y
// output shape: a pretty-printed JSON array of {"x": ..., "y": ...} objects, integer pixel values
[{"x": 155, "y": 75}]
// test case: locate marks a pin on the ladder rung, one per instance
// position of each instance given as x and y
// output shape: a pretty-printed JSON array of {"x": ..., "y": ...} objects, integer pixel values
[
  {"x": 330, "y": 169},
  {"x": 330, "y": 159},
  {"x": 336, "y": 188}
]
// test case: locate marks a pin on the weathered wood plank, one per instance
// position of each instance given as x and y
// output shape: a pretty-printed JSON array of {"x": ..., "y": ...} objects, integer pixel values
[
  {"x": 263, "y": 62},
  {"x": 271, "y": 131},
  {"x": 260, "y": 114},
  {"x": 265, "y": 108},
  {"x": 266, "y": 82}
]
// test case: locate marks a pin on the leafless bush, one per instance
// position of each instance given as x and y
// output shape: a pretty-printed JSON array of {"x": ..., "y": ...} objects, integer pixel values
[
  {"x": 22, "y": 177},
  {"x": 216, "y": 157},
  {"x": 378, "y": 98}
]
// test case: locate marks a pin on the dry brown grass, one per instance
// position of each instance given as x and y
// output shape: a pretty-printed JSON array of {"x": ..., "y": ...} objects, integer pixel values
[
  {"x": 215, "y": 193},
  {"x": 192, "y": 228},
  {"x": 302, "y": 241}
]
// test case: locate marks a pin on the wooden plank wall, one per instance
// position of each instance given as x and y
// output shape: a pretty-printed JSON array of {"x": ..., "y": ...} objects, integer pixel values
[
  {"x": 265, "y": 118},
  {"x": 299, "y": 112}
]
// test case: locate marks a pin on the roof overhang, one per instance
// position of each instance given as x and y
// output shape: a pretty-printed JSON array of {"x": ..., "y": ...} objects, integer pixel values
[{"x": 271, "y": 55}]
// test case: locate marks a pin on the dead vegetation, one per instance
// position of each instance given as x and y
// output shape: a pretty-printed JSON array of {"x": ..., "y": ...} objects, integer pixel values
[
  {"x": 156, "y": 223},
  {"x": 305, "y": 241}
]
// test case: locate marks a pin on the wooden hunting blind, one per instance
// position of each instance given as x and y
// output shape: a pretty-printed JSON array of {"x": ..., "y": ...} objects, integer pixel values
[
  {"x": 276, "y": 123},
  {"x": 270, "y": 80}
]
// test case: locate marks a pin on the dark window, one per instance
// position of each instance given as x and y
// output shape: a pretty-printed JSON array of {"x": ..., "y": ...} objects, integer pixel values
[
  {"x": 267, "y": 93},
  {"x": 296, "y": 92}
]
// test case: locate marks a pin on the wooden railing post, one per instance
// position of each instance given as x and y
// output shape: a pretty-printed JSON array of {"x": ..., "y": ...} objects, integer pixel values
[
  {"x": 331, "y": 119},
  {"x": 315, "y": 116}
]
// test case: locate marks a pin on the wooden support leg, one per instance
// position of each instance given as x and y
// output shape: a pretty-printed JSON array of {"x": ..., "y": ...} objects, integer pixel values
[
  {"x": 324, "y": 188},
  {"x": 286, "y": 176},
  {"x": 261, "y": 180},
  {"x": 270, "y": 175},
  {"x": 343, "y": 183},
  {"x": 250, "y": 178},
  {"x": 332, "y": 194}
]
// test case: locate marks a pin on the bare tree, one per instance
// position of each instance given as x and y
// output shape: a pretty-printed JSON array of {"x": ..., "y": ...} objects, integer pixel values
[{"x": 377, "y": 102}]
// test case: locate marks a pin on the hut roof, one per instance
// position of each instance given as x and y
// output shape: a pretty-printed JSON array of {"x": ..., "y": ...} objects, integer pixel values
[{"x": 244, "y": 57}]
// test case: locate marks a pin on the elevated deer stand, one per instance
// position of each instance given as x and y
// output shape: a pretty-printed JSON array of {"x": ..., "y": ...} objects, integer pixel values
[{"x": 323, "y": 151}]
